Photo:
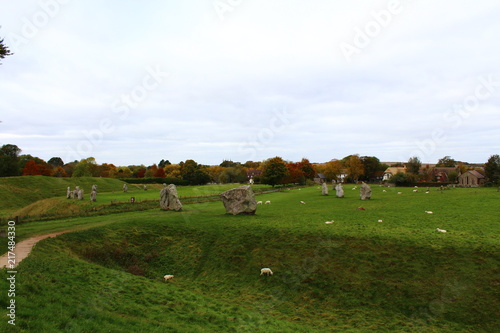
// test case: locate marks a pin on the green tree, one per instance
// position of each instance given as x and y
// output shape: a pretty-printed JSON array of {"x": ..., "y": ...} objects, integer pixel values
[
  {"x": 413, "y": 165},
  {"x": 371, "y": 164},
  {"x": 56, "y": 162},
  {"x": 194, "y": 173},
  {"x": 446, "y": 161},
  {"x": 492, "y": 169},
  {"x": 9, "y": 161},
  {"x": 354, "y": 167},
  {"x": 274, "y": 171},
  {"x": 87, "y": 167},
  {"x": 4, "y": 50}
]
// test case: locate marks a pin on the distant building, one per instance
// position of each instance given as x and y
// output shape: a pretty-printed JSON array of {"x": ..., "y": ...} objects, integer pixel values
[
  {"x": 471, "y": 178},
  {"x": 391, "y": 171},
  {"x": 320, "y": 178}
]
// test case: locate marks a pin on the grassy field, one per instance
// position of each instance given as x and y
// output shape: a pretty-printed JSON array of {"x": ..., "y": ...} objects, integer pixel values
[{"x": 353, "y": 275}]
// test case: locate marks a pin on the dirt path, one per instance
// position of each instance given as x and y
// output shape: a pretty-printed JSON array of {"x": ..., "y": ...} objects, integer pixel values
[{"x": 24, "y": 247}]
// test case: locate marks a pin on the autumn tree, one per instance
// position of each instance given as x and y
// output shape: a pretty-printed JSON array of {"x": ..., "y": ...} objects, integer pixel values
[
  {"x": 307, "y": 169},
  {"x": 331, "y": 169},
  {"x": 354, "y": 167},
  {"x": 274, "y": 171},
  {"x": 194, "y": 173},
  {"x": 492, "y": 169},
  {"x": 295, "y": 174}
]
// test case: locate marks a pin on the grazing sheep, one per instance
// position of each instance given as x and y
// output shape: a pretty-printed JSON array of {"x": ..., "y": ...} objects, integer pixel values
[
  {"x": 426, "y": 192},
  {"x": 302, "y": 202},
  {"x": 429, "y": 212},
  {"x": 259, "y": 202},
  {"x": 441, "y": 230},
  {"x": 267, "y": 202},
  {"x": 168, "y": 277},
  {"x": 415, "y": 190},
  {"x": 400, "y": 192},
  {"x": 380, "y": 221},
  {"x": 384, "y": 191},
  {"x": 329, "y": 222},
  {"x": 266, "y": 271}
]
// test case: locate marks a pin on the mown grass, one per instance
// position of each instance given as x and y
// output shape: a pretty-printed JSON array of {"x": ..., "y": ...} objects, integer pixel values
[{"x": 354, "y": 275}]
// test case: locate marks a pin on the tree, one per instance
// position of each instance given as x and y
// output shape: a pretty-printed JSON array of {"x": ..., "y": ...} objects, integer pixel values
[
  {"x": 446, "y": 161},
  {"x": 274, "y": 171},
  {"x": 56, "y": 162},
  {"x": 413, "y": 165},
  {"x": 307, "y": 168},
  {"x": 492, "y": 169},
  {"x": 332, "y": 169},
  {"x": 194, "y": 173},
  {"x": 9, "y": 160},
  {"x": 87, "y": 167},
  {"x": 371, "y": 164},
  {"x": 4, "y": 50},
  {"x": 163, "y": 163},
  {"x": 32, "y": 168},
  {"x": 295, "y": 174},
  {"x": 354, "y": 167}
]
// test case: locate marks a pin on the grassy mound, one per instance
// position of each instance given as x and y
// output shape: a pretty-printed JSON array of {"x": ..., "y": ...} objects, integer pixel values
[
  {"x": 18, "y": 192},
  {"x": 354, "y": 275}
]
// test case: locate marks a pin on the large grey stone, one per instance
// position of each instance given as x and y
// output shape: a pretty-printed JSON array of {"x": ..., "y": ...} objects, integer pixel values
[
  {"x": 365, "y": 191},
  {"x": 324, "y": 189},
  {"x": 169, "y": 200},
  {"x": 93, "y": 196},
  {"x": 339, "y": 191},
  {"x": 240, "y": 200},
  {"x": 80, "y": 194},
  {"x": 125, "y": 188},
  {"x": 69, "y": 193}
]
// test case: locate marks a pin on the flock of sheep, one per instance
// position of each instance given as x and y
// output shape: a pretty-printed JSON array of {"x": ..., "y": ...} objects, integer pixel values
[{"x": 268, "y": 271}]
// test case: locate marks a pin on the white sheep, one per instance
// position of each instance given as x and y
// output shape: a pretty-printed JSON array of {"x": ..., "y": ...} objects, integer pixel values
[
  {"x": 329, "y": 222},
  {"x": 302, "y": 202},
  {"x": 380, "y": 221},
  {"x": 168, "y": 277},
  {"x": 259, "y": 202},
  {"x": 266, "y": 271},
  {"x": 400, "y": 192},
  {"x": 415, "y": 190},
  {"x": 384, "y": 191},
  {"x": 267, "y": 202},
  {"x": 441, "y": 230},
  {"x": 429, "y": 212}
]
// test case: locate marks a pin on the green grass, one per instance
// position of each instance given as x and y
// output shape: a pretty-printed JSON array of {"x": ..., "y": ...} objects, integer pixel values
[{"x": 354, "y": 275}]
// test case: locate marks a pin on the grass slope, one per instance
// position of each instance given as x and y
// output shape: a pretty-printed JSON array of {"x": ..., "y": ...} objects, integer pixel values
[
  {"x": 18, "y": 192},
  {"x": 354, "y": 275}
]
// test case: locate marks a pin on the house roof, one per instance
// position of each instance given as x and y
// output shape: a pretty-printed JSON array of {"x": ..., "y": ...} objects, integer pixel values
[
  {"x": 476, "y": 173},
  {"x": 395, "y": 170}
]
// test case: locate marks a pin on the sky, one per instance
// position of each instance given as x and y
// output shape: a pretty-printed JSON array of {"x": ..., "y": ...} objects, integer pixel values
[{"x": 131, "y": 83}]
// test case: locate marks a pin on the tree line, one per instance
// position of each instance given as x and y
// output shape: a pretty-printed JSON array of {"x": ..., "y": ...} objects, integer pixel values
[{"x": 273, "y": 171}]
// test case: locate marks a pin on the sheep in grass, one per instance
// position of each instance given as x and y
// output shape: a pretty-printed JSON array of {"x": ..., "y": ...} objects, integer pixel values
[
  {"x": 384, "y": 191},
  {"x": 441, "y": 230},
  {"x": 266, "y": 271},
  {"x": 415, "y": 191},
  {"x": 380, "y": 221},
  {"x": 267, "y": 202},
  {"x": 329, "y": 222},
  {"x": 259, "y": 202},
  {"x": 168, "y": 277},
  {"x": 302, "y": 202},
  {"x": 429, "y": 212},
  {"x": 400, "y": 192}
]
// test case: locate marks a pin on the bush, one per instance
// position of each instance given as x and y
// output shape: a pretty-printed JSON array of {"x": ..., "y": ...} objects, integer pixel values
[{"x": 156, "y": 180}]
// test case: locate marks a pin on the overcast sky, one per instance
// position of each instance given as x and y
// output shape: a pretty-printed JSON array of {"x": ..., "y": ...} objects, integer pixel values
[{"x": 134, "y": 82}]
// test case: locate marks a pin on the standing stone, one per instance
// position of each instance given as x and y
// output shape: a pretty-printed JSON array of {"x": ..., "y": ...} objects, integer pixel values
[
  {"x": 240, "y": 200},
  {"x": 169, "y": 200},
  {"x": 94, "y": 188},
  {"x": 80, "y": 194},
  {"x": 365, "y": 191},
  {"x": 324, "y": 189},
  {"x": 340, "y": 190},
  {"x": 93, "y": 196},
  {"x": 125, "y": 188},
  {"x": 75, "y": 192},
  {"x": 145, "y": 187},
  {"x": 69, "y": 193}
]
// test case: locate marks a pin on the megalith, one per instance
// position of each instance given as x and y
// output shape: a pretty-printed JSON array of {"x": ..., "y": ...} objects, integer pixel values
[
  {"x": 339, "y": 190},
  {"x": 80, "y": 194},
  {"x": 93, "y": 195},
  {"x": 324, "y": 189},
  {"x": 69, "y": 193},
  {"x": 169, "y": 200},
  {"x": 365, "y": 191},
  {"x": 239, "y": 200},
  {"x": 125, "y": 188},
  {"x": 94, "y": 188}
]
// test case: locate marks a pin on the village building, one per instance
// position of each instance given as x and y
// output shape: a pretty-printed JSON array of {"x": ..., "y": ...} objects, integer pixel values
[{"x": 471, "y": 178}]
